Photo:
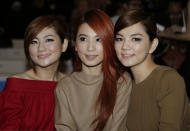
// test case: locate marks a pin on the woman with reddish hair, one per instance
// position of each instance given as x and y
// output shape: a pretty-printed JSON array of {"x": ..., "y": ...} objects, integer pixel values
[{"x": 95, "y": 97}]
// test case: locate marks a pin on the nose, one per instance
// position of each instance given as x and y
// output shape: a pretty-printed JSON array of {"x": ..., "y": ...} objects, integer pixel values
[
  {"x": 126, "y": 45},
  {"x": 41, "y": 46},
  {"x": 91, "y": 46}
]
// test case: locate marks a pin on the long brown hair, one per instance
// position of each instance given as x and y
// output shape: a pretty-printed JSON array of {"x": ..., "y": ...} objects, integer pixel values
[
  {"x": 103, "y": 26},
  {"x": 37, "y": 25}
]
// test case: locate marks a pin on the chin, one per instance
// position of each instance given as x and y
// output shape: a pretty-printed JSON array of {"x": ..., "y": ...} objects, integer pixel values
[
  {"x": 92, "y": 64},
  {"x": 126, "y": 64}
]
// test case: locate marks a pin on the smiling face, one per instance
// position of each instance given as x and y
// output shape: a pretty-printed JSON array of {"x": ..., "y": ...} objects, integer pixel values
[
  {"x": 46, "y": 48},
  {"x": 133, "y": 46},
  {"x": 89, "y": 46}
]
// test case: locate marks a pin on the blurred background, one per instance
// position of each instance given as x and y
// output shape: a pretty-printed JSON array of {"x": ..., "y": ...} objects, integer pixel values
[{"x": 170, "y": 16}]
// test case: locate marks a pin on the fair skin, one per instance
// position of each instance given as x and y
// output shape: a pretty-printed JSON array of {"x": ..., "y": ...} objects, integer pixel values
[
  {"x": 45, "y": 51},
  {"x": 134, "y": 49},
  {"x": 89, "y": 49}
]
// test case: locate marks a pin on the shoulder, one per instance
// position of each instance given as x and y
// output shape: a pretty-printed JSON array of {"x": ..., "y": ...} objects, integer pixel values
[
  {"x": 125, "y": 81},
  {"x": 66, "y": 77},
  {"x": 61, "y": 76},
  {"x": 15, "y": 83},
  {"x": 168, "y": 75},
  {"x": 169, "y": 81},
  {"x": 124, "y": 78},
  {"x": 127, "y": 76},
  {"x": 17, "y": 78},
  {"x": 23, "y": 75},
  {"x": 65, "y": 81}
]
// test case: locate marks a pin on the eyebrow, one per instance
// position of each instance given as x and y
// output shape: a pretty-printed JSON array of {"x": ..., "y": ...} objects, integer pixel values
[
  {"x": 82, "y": 35},
  {"x": 87, "y": 35},
  {"x": 135, "y": 34},
  {"x": 48, "y": 36}
]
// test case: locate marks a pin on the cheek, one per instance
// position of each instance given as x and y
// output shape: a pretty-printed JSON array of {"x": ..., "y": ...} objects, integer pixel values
[
  {"x": 32, "y": 51},
  {"x": 141, "y": 50},
  {"x": 99, "y": 48},
  {"x": 117, "y": 49},
  {"x": 55, "y": 48},
  {"x": 79, "y": 48}
]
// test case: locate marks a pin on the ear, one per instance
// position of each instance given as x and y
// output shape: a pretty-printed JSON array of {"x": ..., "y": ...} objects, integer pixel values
[
  {"x": 154, "y": 45},
  {"x": 65, "y": 45}
]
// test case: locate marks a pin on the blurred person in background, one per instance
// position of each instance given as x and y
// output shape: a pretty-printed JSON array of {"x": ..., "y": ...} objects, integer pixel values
[
  {"x": 125, "y": 5},
  {"x": 176, "y": 38}
]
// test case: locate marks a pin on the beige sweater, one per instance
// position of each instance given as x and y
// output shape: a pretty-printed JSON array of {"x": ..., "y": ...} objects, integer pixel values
[
  {"x": 76, "y": 96},
  {"x": 158, "y": 103}
]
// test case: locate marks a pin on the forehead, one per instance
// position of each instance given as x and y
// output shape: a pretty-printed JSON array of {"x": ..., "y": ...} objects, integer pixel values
[
  {"x": 47, "y": 31},
  {"x": 86, "y": 29},
  {"x": 137, "y": 28}
]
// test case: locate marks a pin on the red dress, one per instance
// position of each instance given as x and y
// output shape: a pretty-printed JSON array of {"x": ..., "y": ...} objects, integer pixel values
[{"x": 27, "y": 105}]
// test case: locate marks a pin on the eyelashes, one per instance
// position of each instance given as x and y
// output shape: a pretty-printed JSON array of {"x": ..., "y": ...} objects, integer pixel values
[
  {"x": 85, "y": 39},
  {"x": 46, "y": 41},
  {"x": 132, "y": 39}
]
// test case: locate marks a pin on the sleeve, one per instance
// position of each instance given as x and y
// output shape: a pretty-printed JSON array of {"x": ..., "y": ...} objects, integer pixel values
[
  {"x": 118, "y": 120},
  {"x": 63, "y": 117},
  {"x": 186, "y": 123},
  {"x": 11, "y": 109},
  {"x": 171, "y": 101}
]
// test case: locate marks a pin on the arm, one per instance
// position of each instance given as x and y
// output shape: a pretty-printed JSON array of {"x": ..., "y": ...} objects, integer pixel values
[
  {"x": 11, "y": 109},
  {"x": 171, "y": 102},
  {"x": 117, "y": 121},
  {"x": 63, "y": 118}
]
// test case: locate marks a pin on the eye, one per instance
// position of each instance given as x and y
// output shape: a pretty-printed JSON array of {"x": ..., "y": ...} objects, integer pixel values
[
  {"x": 34, "y": 42},
  {"x": 118, "y": 39},
  {"x": 135, "y": 39},
  {"x": 98, "y": 40},
  {"x": 49, "y": 40},
  {"x": 82, "y": 39}
]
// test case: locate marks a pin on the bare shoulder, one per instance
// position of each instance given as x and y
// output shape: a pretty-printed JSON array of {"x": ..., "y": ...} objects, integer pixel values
[{"x": 23, "y": 75}]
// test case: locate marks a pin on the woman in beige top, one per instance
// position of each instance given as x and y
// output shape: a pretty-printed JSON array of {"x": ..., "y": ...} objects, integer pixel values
[
  {"x": 94, "y": 97},
  {"x": 158, "y": 98}
]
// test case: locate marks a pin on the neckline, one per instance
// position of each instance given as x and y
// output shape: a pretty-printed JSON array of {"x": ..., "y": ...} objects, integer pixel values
[
  {"x": 149, "y": 76},
  {"x": 30, "y": 80},
  {"x": 88, "y": 78}
]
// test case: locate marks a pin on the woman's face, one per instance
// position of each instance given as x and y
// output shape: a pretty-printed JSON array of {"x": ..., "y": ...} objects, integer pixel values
[
  {"x": 46, "y": 48},
  {"x": 132, "y": 45},
  {"x": 89, "y": 46}
]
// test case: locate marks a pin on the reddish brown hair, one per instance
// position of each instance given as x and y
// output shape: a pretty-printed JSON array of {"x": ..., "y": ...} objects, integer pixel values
[{"x": 103, "y": 26}]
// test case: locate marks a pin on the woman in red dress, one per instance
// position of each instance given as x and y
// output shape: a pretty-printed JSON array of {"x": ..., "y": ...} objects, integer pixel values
[{"x": 28, "y": 98}]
